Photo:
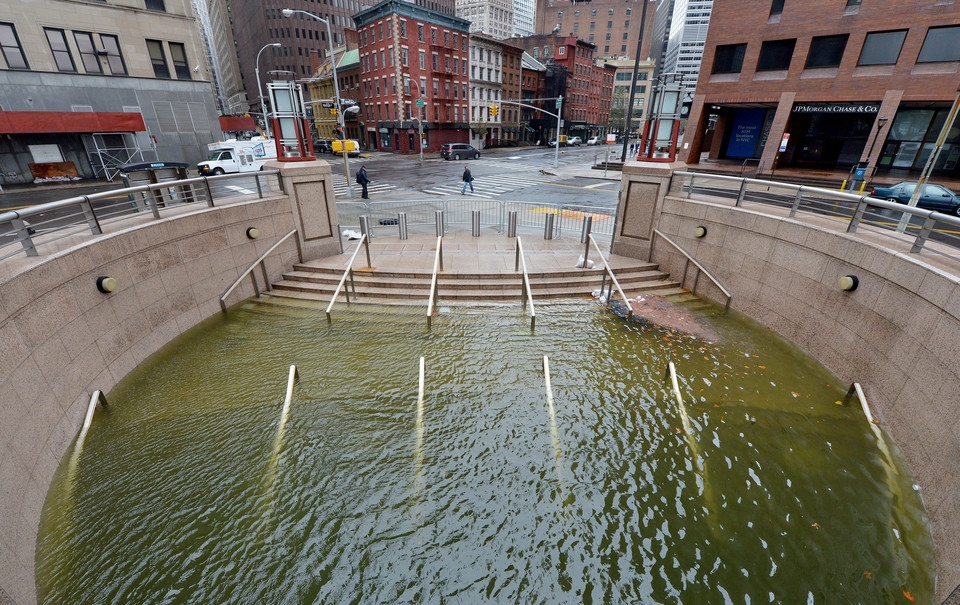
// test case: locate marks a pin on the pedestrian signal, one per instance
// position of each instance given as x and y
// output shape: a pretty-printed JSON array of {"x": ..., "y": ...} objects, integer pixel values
[{"x": 494, "y": 110}]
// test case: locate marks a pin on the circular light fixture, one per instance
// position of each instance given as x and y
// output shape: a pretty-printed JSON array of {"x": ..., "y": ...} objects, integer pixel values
[
  {"x": 253, "y": 233},
  {"x": 700, "y": 231},
  {"x": 848, "y": 283},
  {"x": 106, "y": 284}
]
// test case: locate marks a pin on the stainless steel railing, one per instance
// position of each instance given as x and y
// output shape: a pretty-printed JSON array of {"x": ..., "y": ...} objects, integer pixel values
[
  {"x": 700, "y": 269},
  {"x": 434, "y": 294},
  {"x": 23, "y": 230},
  {"x": 348, "y": 272},
  {"x": 607, "y": 272},
  {"x": 263, "y": 267},
  {"x": 525, "y": 293},
  {"x": 884, "y": 216}
]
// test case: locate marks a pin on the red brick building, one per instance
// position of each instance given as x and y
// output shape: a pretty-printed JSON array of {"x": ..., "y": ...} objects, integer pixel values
[
  {"x": 832, "y": 83},
  {"x": 407, "y": 53}
]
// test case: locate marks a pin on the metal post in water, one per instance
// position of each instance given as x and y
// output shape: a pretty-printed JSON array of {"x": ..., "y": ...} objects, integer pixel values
[
  {"x": 438, "y": 220},
  {"x": 475, "y": 222},
  {"x": 365, "y": 230},
  {"x": 402, "y": 222},
  {"x": 548, "y": 226},
  {"x": 512, "y": 224}
]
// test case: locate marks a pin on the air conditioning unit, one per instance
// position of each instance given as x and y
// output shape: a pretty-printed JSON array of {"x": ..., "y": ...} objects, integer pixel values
[{"x": 102, "y": 52}]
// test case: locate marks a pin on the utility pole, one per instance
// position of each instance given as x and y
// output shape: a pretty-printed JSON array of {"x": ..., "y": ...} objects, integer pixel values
[{"x": 633, "y": 83}]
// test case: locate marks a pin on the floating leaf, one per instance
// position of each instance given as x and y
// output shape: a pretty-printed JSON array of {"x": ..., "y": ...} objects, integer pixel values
[
  {"x": 762, "y": 367},
  {"x": 817, "y": 525},
  {"x": 794, "y": 393},
  {"x": 838, "y": 402},
  {"x": 868, "y": 575},
  {"x": 908, "y": 595}
]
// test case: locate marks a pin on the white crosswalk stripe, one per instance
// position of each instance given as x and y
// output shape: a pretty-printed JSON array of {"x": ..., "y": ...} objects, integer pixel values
[
  {"x": 340, "y": 187},
  {"x": 453, "y": 190},
  {"x": 486, "y": 186}
]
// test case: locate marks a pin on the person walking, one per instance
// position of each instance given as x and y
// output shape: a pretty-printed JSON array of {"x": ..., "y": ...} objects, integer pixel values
[
  {"x": 363, "y": 179},
  {"x": 467, "y": 180}
]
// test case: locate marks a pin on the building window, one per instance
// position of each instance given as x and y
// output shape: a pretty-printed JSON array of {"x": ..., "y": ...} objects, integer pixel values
[
  {"x": 609, "y": 24},
  {"x": 593, "y": 25},
  {"x": 420, "y": 32},
  {"x": 463, "y": 44},
  {"x": 562, "y": 49},
  {"x": 576, "y": 13},
  {"x": 826, "y": 51},
  {"x": 380, "y": 30},
  {"x": 159, "y": 61},
  {"x": 728, "y": 58},
  {"x": 393, "y": 84},
  {"x": 882, "y": 48},
  {"x": 941, "y": 45},
  {"x": 446, "y": 38},
  {"x": 777, "y": 7},
  {"x": 423, "y": 60},
  {"x": 10, "y": 45},
  {"x": 61, "y": 52},
  {"x": 854, "y": 2},
  {"x": 114, "y": 59},
  {"x": 403, "y": 28},
  {"x": 433, "y": 35},
  {"x": 776, "y": 54},
  {"x": 88, "y": 52},
  {"x": 576, "y": 26},
  {"x": 179, "y": 55},
  {"x": 403, "y": 57},
  {"x": 593, "y": 13},
  {"x": 155, "y": 5}
]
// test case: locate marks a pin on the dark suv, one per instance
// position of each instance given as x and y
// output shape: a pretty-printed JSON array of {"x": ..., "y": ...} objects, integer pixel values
[
  {"x": 322, "y": 146},
  {"x": 455, "y": 151}
]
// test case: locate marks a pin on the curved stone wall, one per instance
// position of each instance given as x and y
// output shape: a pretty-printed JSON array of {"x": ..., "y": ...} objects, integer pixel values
[
  {"x": 61, "y": 338},
  {"x": 897, "y": 334}
]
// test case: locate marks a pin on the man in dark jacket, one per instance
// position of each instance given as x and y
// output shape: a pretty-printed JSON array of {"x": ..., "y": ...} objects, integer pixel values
[
  {"x": 467, "y": 180},
  {"x": 363, "y": 179}
]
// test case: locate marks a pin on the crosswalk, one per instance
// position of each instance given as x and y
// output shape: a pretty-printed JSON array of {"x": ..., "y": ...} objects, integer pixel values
[
  {"x": 340, "y": 187},
  {"x": 484, "y": 186}
]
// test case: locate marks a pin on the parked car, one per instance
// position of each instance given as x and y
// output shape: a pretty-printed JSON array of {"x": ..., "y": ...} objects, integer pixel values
[
  {"x": 455, "y": 151},
  {"x": 595, "y": 140},
  {"x": 322, "y": 146},
  {"x": 934, "y": 197},
  {"x": 575, "y": 141}
]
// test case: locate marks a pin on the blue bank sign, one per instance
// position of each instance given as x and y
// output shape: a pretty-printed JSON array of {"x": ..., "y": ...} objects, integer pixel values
[{"x": 745, "y": 133}]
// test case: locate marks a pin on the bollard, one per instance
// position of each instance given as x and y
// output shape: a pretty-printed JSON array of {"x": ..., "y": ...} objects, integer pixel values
[
  {"x": 438, "y": 220},
  {"x": 548, "y": 226},
  {"x": 512, "y": 224},
  {"x": 475, "y": 222},
  {"x": 365, "y": 230},
  {"x": 402, "y": 221},
  {"x": 587, "y": 226}
]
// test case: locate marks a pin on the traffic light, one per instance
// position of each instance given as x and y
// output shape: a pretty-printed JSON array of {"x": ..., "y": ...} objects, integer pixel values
[
  {"x": 494, "y": 110},
  {"x": 333, "y": 111}
]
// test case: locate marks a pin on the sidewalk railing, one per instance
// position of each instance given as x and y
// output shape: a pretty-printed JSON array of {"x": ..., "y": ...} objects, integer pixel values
[{"x": 21, "y": 231}]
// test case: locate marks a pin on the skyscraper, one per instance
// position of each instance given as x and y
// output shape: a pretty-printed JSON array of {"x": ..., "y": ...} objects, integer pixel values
[{"x": 688, "y": 33}]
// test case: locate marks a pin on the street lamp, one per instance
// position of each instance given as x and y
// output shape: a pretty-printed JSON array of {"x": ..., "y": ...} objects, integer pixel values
[
  {"x": 420, "y": 118},
  {"x": 336, "y": 93},
  {"x": 266, "y": 121}
]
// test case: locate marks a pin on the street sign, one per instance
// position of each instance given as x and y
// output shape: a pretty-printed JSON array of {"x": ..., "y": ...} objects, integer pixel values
[
  {"x": 327, "y": 105},
  {"x": 558, "y": 103},
  {"x": 421, "y": 103},
  {"x": 611, "y": 138},
  {"x": 347, "y": 102}
]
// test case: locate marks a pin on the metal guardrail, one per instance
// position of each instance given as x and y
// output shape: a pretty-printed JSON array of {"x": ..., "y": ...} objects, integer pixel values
[
  {"x": 263, "y": 268},
  {"x": 525, "y": 293},
  {"x": 607, "y": 272},
  {"x": 420, "y": 215},
  {"x": 861, "y": 210},
  {"x": 700, "y": 269},
  {"x": 53, "y": 221},
  {"x": 434, "y": 293},
  {"x": 347, "y": 272}
]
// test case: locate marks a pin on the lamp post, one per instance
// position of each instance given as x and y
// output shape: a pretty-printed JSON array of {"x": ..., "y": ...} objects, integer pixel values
[
  {"x": 420, "y": 118},
  {"x": 336, "y": 93},
  {"x": 266, "y": 122},
  {"x": 633, "y": 83}
]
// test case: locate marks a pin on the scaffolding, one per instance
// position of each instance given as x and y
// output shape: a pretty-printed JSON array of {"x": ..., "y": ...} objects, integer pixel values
[{"x": 108, "y": 151}]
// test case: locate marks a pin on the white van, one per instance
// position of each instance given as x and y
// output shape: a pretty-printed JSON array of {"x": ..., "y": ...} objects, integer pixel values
[{"x": 238, "y": 156}]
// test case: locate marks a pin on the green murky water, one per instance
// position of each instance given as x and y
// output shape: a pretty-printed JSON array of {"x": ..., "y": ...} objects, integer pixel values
[{"x": 187, "y": 492}]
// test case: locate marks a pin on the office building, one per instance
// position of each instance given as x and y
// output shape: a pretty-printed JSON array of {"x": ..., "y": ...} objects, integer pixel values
[
  {"x": 689, "y": 25},
  {"x": 493, "y": 18},
  {"x": 612, "y": 26}
]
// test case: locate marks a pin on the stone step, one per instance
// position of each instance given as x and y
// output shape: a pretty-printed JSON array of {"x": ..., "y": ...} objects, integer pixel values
[{"x": 309, "y": 268}]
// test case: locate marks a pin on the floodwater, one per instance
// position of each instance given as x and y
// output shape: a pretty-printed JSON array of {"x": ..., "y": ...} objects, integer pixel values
[{"x": 762, "y": 488}]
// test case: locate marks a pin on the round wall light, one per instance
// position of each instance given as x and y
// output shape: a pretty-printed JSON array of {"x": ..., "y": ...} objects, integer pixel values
[
  {"x": 848, "y": 283},
  {"x": 700, "y": 231},
  {"x": 106, "y": 284},
  {"x": 253, "y": 233}
]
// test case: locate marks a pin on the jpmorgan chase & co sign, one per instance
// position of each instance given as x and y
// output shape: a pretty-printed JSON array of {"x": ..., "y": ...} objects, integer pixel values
[{"x": 836, "y": 108}]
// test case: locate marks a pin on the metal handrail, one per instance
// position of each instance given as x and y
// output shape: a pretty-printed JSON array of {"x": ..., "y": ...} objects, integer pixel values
[
  {"x": 87, "y": 214},
  {"x": 855, "y": 389},
  {"x": 609, "y": 271},
  {"x": 263, "y": 267},
  {"x": 525, "y": 293},
  {"x": 343, "y": 278},
  {"x": 699, "y": 267},
  {"x": 437, "y": 266},
  {"x": 546, "y": 380}
]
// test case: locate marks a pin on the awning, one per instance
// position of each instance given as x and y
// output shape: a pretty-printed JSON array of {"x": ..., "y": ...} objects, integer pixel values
[
  {"x": 237, "y": 124},
  {"x": 23, "y": 122}
]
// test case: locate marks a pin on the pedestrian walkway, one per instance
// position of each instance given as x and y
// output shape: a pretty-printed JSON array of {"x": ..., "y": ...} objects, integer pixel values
[
  {"x": 340, "y": 187},
  {"x": 486, "y": 186}
]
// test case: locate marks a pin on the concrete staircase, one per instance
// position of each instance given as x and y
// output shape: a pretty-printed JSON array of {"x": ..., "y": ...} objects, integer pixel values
[{"x": 313, "y": 281}]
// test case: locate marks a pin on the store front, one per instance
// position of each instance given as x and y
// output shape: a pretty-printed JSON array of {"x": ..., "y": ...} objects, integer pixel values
[{"x": 912, "y": 138}]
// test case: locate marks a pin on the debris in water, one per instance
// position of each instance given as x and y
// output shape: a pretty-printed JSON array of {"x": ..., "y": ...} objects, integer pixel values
[{"x": 658, "y": 311}]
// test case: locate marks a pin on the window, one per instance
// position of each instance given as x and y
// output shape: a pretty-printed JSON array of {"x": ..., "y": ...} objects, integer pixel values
[
  {"x": 777, "y": 7},
  {"x": 463, "y": 44},
  {"x": 433, "y": 35},
  {"x": 114, "y": 59},
  {"x": 826, "y": 51},
  {"x": 155, "y": 5},
  {"x": 576, "y": 13},
  {"x": 576, "y": 26},
  {"x": 403, "y": 28},
  {"x": 88, "y": 52},
  {"x": 420, "y": 32},
  {"x": 562, "y": 49},
  {"x": 776, "y": 54},
  {"x": 159, "y": 61},
  {"x": 611, "y": 12},
  {"x": 423, "y": 60},
  {"x": 61, "y": 52},
  {"x": 854, "y": 2},
  {"x": 728, "y": 58},
  {"x": 593, "y": 13},
  {"x": 380, "y": 29},
  {"x": 940, "y": 45},
  {"x": 403, "y": 57},
  {"x": 393, "y": 84},
  {"x": 593, "y": 25},
  {"x": 446, "y": 38},
  {"x": 435, "y": 62},
  {"x": 179, "y": 55},
  {"x": 609, "y": 24},
  {"x": 882, "y": 48}
]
